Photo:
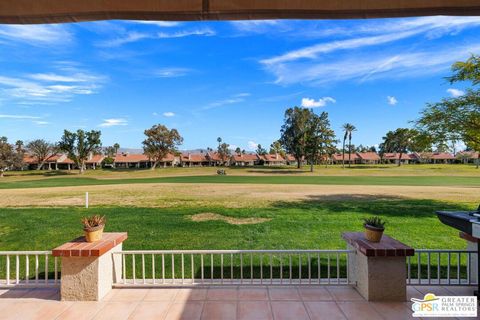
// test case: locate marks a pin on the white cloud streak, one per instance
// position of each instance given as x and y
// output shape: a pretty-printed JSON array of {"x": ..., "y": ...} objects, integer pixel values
[
  {"x": 252, "y": 145},
  {"x": 171, "y": 72},
  {"x": 18, "y": 117},
  {"x": 168, "y": 114},
  {"x": 36, "y": 34},
  {"x": 113, "y": 122},
  {"x": 312, "y": 103}
]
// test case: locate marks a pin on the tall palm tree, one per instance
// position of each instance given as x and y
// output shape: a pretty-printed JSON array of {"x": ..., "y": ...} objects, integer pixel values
[{"x": 348, "y": 128}]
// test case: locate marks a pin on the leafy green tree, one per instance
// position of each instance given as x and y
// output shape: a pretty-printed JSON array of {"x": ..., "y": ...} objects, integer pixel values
[
  {"x": 80, "y": 145},
  {"x": 401, "y": 141},
  {"x": 223, "y": 151},
  {"x": 457, "y": 118},
  {"x": 238, "y": 151},
  {"x": 348, "y": 129},
  {"x": 320, "y": 138},
  {"x": 8, "y": 156},
  {"x": 276, "y": 148},
  {"x": 294, "y": 132},
  {"x": 116, "y": 147},
  {"x": 159, "y": 142},
  {"x": 41, "y": 150},
  {"x": 260, "y": 150}
]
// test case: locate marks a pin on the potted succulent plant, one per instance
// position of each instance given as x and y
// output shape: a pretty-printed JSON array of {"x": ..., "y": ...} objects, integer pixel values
[
  {"x": 93, "y": 227},
  {"x": 374, "y": 227}
]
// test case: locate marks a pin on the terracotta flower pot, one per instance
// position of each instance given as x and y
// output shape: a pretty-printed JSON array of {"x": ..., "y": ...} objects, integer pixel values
[
  {"x": 94, "y": 234},
  {"x": 373, "y": 234}
]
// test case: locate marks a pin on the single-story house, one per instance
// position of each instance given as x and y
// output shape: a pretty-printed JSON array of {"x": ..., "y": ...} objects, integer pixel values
[
  {"x": 406, "y": 158},
  {"x": 337, "y": 158},
  {"x": 244, "y": 159},
  {"x": 215, "y": 159},
  {"x": 94, "y": 161},
  {"x": 468, "y": 156},
  {"x": 127, "y": 160},
  {"x": 435, "y": 157},
  {"x": 368, "y": 158},
  {"x": 272, "y": 160},
  {"x": 194, "y": 160}
]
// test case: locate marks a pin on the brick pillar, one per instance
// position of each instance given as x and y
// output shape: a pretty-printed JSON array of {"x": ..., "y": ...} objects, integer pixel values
[
  {"x": 88, "y": 269},
  {"x": 379, "y": 269}
]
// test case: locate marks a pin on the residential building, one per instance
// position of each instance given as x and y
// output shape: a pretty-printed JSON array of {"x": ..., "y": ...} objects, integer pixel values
[
  {"x": 243, "y": 160},
  {"x": 368, "y": 158}
]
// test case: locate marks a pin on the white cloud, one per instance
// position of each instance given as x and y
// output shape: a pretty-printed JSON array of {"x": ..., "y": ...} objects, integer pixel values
[
  {"x": 236, "y": 98},
  {"x": 40, "y": 34},
  {"x": 168, "y": 114},
  {"x": 349, "y": 58},
  {"x": 171, "y": 72},
  {"x": 113, "y": 122},
  {"x": 252, "y": 145},
  {"x": 392, "y": 100},
  {"x": 163, "y": 24},
  {"x": 50, "y": 87},
  {"x": 207, "y": 32},
  {"x": 41, "y": 123},
  {"x": 312, "y": 103},
  {"x": 124, "y": 39},
  {"x": 18, "y": 117},
  {"x": 455, "y": 92}
]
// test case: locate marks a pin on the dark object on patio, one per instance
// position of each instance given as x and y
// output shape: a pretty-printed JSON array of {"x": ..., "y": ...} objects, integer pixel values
[
  {"x": 222, "y": 172},
  {"x": 468, "y": 222}
]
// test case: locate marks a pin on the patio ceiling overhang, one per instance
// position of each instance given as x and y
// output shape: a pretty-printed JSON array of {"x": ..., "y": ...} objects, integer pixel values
[{"x": 56, "y": 11}]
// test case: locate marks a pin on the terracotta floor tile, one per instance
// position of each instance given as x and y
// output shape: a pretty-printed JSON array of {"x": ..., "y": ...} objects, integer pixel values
[
  {"x": 393, "y": 310},
  {"x": 358, "y": 310},
  {"x": 290, "y": 293},
  {"x": 189, "y": 294},
  {"x": 81, "y": 310},
  {"x": 116, "y": 310},
  {"x": 222, "y": 294},
  {"x": 219, "y": 310},
  {"x": 252, "y": 294},
  {"x": 254, "y": 310},
  {"x": 315, "y": 294},
  {"x": 42, "y": 294},
  {"x": 40, "y": 310},
  {"x": 128, "y": 294},
  {"x": 161, "y": 294},
  {"x": 413, "y": 293},
  {"x": 191, "y": 310},
  {"x": 324, "y": 310},
  {"x": 288, "y": 310},
  {"x": 150, "y": 310},
  {"x": 439, "y": 291},
  {"x": 345, "y": 294},
  {"x": 461, "y": 291}
]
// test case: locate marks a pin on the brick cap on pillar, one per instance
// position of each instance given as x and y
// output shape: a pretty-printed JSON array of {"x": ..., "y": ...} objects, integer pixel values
[
  {"x": 79, "y": 247},
  {"x": 468, "y": 237},
  {"x": 387, "y": 247}
]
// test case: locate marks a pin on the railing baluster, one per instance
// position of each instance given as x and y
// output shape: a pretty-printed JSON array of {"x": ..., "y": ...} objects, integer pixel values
[
  {"x": 469, "y": 280},
  {"x": 409, "y": 273},
  {"x": 448, "y": 268},
  {"x": 319, "y": 268},
  {"x": 428, "y": 268},
  {"x": 46, "y": 268},
  {"x": 309, "y": 269},
  {"x": 338, "y": 269},
  {"x": 459, "y": 257},
  {"x": 36, "y": 269},
  {"x": 27, "y": 273},
  {"x": 173, "y": 268},
  {"x": 17, "y": 269},
  {"x": 211, "y": 267},
  {"x": 55, "y": 262},
  {"x": 231, "y": 267},
  {"x": 419, "y": 266},
  {"x": 271, "y": 268},
  {"x": 328, "y": 268},
  {"x": 183, "y": 269},
  {"x": 201, "y": 266},
  {"x": 193, "y": 269},
  {"x": 438, "y": 269},
  {"x": 281, "y": 268},
  {"x": 221, "y": 266},
  {"x": 241, "y": 268},
  {"x": 290, "y": 267},
  {"x": 163, "y": 268},
  {"x": 261, "y": 269},
  {"x": 133, "y": 268},
  {"x": 8, "y": 269},
  {"x": 153, "y": 268},
  {"x": 143, "y": 268},
  {"x": 251, "y": 268},
  {"x": 124, "y": 273}
]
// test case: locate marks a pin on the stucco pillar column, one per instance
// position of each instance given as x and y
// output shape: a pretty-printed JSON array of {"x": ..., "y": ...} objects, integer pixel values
[
  {"x": 378, "y": 269},
  {"x": 472, "y": 243},
  {"x": 88, "y": 270}
]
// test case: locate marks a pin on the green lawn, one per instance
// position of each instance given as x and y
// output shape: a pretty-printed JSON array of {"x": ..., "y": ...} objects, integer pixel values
[{"x": 288, "y": 179}]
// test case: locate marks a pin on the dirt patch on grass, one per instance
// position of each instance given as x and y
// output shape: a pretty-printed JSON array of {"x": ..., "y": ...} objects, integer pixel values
[{"x": 209, "y": 216}]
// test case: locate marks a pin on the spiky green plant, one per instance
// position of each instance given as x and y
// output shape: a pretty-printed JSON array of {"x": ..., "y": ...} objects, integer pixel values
[
  {"x": 375, "y": 222},
  {"x": 93, "y": 221}
]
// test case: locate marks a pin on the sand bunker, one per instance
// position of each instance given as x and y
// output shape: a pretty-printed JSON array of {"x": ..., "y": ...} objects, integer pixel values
[{"x": 208, "y": 216}]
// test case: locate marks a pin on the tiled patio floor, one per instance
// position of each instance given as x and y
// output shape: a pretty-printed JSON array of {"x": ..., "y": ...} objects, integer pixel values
[{"x": 212, "y": 303}]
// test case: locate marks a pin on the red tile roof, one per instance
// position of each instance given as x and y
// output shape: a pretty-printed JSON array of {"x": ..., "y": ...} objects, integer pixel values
[
  {"x": 132, "y": 158},
  {"x": 98, "y": 158},
  {"x": 442, "y": 156},
  {"x": 339, "y": 156},
  {"x": 272, "y": 157},
  {"x": 194, "y": 157},
  {"x": 370, "y": 156},
  {"x": 214, "y": 156},
  {"x": 245, "y": 157},
  {"x": 468, "y": 154},
  {"x": 396, "y": 156}
]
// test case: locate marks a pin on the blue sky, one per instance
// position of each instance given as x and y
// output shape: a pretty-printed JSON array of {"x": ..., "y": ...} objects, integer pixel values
[{"x": 228, "y": 79}]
